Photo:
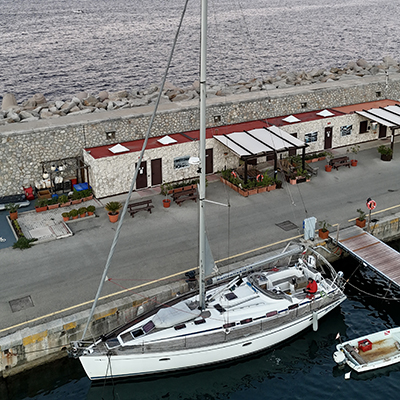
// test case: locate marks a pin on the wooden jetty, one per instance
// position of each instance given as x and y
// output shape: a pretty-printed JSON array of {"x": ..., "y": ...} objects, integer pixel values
[{"x": 371, "y": 251}]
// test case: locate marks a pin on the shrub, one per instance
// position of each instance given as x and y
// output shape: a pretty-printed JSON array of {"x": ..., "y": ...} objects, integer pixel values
[{"x": 24, "y": 243}]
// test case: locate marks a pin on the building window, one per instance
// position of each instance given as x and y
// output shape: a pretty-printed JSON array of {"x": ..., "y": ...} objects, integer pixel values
[
  {"x": 311, "y": 137},
  {"x": 345, "y": 130},
  {"x": 181, "y": 162},
  {"x": 303, "y": 105},
  {"x": 363, "y": 126},
  {"x": 110, "y": 135}
]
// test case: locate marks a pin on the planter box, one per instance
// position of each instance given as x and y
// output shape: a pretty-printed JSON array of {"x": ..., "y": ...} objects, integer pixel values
[
  {"x": 76, "y": 201},
  {"x": 52, "y": 206},
  {"x": 68, "y": 203},
  {"x": 44, "y": 194},
  {"x": 271, "y": 188},
  {"x": 359, "y": 223},
  {"x": 252, "y": 191},
  {"x": 262, "y": 189},
  {"x": 41, "y": 209},
  {"x": 242, "y": 192}
]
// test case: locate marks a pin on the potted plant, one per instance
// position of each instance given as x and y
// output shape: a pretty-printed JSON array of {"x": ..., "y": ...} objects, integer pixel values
[
  {"x": 74, "y": 213},
  {"x": 323, "y": 232},
  {"x": 87, "y": 194},
  {"x": 76, "y": 197},
  {"x": 328, "y": 157},
  {"x": 354, "y": 149},
  {"x": 13, "y": 209},
  {"x": 360, "y": 221},
  {"x": 91, "y": 210},
  {"x": 52, "y": 203},
  {"x": 278, "y": 184},
  {"x": 41, "y": 205},
  {"x": 64, "y": 200},
  {"x": 65, "y": 216},
  {"x": 386, "y": 152},
  {"x": 82, "y": 212},
  {"x": 113, "y": 208}
]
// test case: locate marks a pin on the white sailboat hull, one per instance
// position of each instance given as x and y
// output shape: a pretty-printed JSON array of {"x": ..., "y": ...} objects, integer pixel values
[{"x": 101, "y": 367}]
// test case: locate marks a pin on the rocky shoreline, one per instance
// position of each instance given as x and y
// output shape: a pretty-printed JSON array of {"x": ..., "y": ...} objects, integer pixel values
[{"x": 38, "y": 107}]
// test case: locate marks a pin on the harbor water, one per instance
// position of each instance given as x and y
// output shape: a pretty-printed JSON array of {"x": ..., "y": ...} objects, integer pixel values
[
  {"x": 60, "y": 48},
  {"x": 299, "y": 369}
]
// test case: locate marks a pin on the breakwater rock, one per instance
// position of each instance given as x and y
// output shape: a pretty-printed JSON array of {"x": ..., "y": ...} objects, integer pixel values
[{"x": 38, "y": 107}]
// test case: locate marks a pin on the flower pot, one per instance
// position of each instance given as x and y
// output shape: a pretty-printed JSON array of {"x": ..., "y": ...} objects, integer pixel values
[
  {"x": 13, "y": 215},
  {"x": 113, "y": 217},
  {"x": 328, "y": 168},
  {"x": 322, "y": 234},
  {"x": 292, "y": 181},
  {"x": 166, "y": 203},
  {"x": 41, "y": 209},
  {"x": 386, "y": 157},
  {"x": 90, "y": 213},
  {"x": 65, "y": 219},
  {"x": 359, "y": 223},
  {"x": 75, "y": 217},
  {"x": 353, "y": 163}
]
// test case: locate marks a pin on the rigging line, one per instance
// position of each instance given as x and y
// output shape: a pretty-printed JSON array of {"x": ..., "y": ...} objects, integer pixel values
[{"x": 124, "y": 210}]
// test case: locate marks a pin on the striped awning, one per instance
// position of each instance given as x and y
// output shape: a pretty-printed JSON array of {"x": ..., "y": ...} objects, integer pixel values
[
  {"x": 257, "y": 142},
  {"x": 388, "y": 116}
]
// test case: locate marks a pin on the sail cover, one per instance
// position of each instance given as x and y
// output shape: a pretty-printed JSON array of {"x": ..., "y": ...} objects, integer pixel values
[{"x": 177, "y": 314}]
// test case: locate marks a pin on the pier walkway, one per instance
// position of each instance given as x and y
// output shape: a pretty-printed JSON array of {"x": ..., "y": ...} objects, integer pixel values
[{"x": 371, "y": 251}]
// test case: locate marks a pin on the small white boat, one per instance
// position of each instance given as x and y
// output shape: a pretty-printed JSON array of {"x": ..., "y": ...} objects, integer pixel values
[{"x": 369, "y": 352}]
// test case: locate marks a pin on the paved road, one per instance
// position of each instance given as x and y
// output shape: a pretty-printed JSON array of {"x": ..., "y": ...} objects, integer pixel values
[{"x": 64, "y": 273}]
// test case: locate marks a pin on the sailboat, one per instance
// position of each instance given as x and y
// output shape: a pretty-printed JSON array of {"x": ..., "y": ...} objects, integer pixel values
[{"x": 237, "y": 314}]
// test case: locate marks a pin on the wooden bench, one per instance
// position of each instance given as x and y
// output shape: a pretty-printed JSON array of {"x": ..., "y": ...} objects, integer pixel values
[
  {"x": 183, "y": 195},
  {"x": 146, "y": 205},
  {"x": 339, "y": 162}
]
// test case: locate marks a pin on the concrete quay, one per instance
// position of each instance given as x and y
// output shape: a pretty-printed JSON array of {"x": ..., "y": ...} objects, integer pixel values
[{"x": 46, "y": 291}]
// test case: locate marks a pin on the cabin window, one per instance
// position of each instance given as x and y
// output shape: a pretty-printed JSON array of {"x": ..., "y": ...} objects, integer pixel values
[
  {"x": 345, "y": 130},
  {"x": 293, "y": 306},
  {"x": 229, "y": 325},
  {"x": 311, "y": 137},
  {"x": 181, "y": 162},
  {"x": 199, "y": 321},
  {"x": 137, "y": 333},
  {"x": 179, "y": 327},
  {"x": 363, "y": 126},
  {"x": 231, "y": 296},
  {"x": 246, "y": 321},
  {"x": 271, "y": 313},
  {"x": 148, "y": 327}
]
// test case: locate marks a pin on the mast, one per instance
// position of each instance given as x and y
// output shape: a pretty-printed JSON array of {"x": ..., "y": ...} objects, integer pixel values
[{"x": 202, "y": 151}]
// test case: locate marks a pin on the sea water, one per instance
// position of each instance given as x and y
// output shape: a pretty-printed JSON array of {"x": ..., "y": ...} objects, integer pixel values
[{"x": 60, "y": 48}]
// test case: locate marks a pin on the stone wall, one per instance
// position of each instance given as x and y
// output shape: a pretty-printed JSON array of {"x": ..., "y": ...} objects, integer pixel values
[{"x": 24, "y": 146}]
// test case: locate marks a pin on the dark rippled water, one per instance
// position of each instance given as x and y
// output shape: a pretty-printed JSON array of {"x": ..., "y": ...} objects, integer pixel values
[
  {"x": 61, "y": 47},
  {"x": 300, "y": 369}
]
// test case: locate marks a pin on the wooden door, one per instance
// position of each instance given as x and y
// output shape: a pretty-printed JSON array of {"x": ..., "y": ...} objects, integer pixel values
[
  {"x": 156, "y": 172},
  {"x": 209, "y": 161},
  {"x": 328, "y": 138},
  {"x": 141, "y": 181},
  {"x": 382, "y": 131}
]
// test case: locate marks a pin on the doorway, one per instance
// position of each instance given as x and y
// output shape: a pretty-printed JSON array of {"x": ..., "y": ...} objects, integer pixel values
[
  {"x": 209, "y": 161},
  {"x": 328, "y": 138},
  {"x": 156, "y": 172},
  {"x": 382, "y": 131},
  {"x": 141, "y": 181}
]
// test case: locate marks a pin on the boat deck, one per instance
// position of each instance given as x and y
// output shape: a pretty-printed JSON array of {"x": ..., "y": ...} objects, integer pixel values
[{"x": 371, "y": 251}]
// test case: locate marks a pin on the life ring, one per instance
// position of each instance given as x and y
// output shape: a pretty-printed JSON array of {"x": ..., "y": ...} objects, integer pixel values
[
  {"x": 259, "y": 178},
  {"x": 371, "y": 204},
  {"x": 234, "y": 174}
]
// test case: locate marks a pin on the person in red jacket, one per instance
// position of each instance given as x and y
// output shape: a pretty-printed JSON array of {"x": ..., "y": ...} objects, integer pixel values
[{"x": 311, "y": 288}]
